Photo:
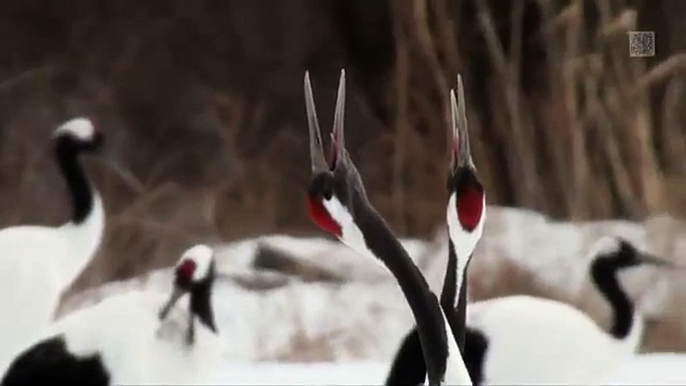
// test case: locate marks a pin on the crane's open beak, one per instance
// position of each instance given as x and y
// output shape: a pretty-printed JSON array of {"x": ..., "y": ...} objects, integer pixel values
[
  {"x": 317, "y": 156},
  {"x": 460, "y": 151},
  {"x": 173, "y": 299},
  {"x": 112, "y": 160}
]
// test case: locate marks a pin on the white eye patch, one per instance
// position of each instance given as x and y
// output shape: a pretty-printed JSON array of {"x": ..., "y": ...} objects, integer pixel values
[{"x": 351, "y": 235}]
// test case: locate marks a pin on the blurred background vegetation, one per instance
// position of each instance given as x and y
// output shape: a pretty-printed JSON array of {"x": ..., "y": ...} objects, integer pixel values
[{"x": 203, "y": 101}]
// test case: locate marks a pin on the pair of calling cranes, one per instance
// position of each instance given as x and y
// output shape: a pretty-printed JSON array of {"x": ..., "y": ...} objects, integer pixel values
[
  {"x": 509, "y": 340},
  {"x": 136, "y": 337}
]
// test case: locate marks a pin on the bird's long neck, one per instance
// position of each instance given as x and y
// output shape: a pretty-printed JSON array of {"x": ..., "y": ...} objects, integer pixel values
[
  {"x": 607, "y": 282},
  {"x": 87, "y": 222},
  {"x": 460, "y": 327},
  {"x": 463, "y": 241},
  {"x": 423, "y": 303},
  {"x": 454, "y": 295},
  {"x": 449, "y": 290},
  {"x": 201, "y": 305},
  {"x": 80, "y": 190}
]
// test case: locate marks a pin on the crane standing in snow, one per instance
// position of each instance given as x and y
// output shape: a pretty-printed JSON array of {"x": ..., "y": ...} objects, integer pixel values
[
  {"x": 566, "y": 345},
  {"x": 39, "y": 262}
]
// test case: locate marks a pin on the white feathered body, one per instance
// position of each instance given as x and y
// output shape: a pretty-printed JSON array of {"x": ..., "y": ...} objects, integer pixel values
[
  {"x": 539, "y": 341},
  {"x": 32, "y": 284},
  {"x": 135, "y": 347},
  {"x": 36, "y": 265}
]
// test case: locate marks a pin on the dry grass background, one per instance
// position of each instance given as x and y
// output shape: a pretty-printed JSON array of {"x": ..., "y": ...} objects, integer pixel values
[{"x": 203, "y": 100}]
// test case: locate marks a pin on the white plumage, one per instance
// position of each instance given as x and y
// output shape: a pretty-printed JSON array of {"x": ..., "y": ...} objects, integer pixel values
[
  {"x": 133, "y": 345},
  {"x": 38, "y": 262},
  {"x": 456, "y": 372},
  {"x": 539, "y": 341},
  {"x": 533, "y": 340}
]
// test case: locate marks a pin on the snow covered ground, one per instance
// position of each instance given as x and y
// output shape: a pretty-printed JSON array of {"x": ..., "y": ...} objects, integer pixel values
[
  {"x": 337, "y": 318},
  {"x": 321, "y": 373},
  {"x": 651, "y": 369}
]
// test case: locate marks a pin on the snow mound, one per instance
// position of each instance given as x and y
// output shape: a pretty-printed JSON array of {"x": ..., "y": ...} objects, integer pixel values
[{"x": 360, "y": 314}]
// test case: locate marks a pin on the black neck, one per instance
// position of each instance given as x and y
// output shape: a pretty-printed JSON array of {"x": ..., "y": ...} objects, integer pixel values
[
  {"x": 79, "y": 187},
  {"x": 201, "y": 304},
  {"x": 605, "y": 278},
  {"x": 450, "y": 281},
  {"x": 423, "y": 303},
  {"x": 460, "y": 327},
  {"x": 456, "y": 317}
]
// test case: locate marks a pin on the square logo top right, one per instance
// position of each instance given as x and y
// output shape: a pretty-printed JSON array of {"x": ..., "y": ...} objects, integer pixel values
[{"x": 641, "y": 43}]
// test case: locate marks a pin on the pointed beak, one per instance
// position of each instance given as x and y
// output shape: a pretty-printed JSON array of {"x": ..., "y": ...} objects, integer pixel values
[
  {"x": 127, "y": 176},
  {"x": 647, "y": 258},
  {"x": 339, "y": 118},
  {"x": 317, "y": 156},
  {"x": 316, "y": 150},
  {"x": 173, "y": 299},
  {"x": 460, "y": 151}
]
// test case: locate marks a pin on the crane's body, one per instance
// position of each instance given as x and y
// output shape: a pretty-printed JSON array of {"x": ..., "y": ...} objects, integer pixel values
[
  {"x": 137, "y": 337},
  {"x": 531, "y": 340},
  {"x": 38, "y": 263}
]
